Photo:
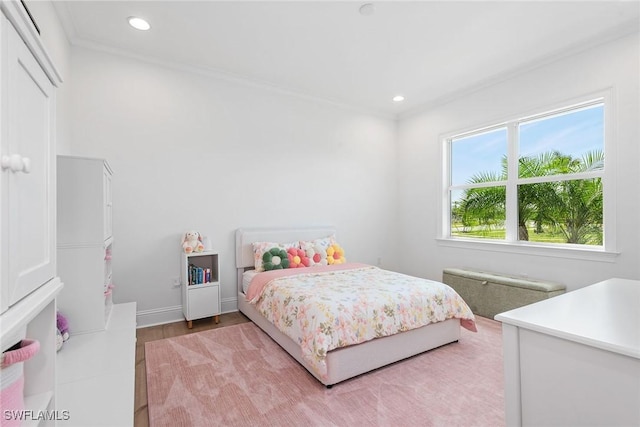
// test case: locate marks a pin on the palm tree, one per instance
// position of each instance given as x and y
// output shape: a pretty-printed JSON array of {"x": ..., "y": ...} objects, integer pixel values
[
  {"x": 574, "y": 207},
  {"x": 484, "y": 206}
]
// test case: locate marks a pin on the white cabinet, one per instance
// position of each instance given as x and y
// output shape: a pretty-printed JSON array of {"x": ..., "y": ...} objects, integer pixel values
[
  {"x": 28, "y": 171},
  {"x": 85, "y": 242},
  {"x": 84, "y": 201},
  {"x": 28, "y": 286},
  {"x": 200, "y": 284},
  {"x": 574, "y": 359}
]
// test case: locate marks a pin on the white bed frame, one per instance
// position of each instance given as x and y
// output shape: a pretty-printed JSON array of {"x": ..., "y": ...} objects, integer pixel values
[{"x": 347, "y": 362}]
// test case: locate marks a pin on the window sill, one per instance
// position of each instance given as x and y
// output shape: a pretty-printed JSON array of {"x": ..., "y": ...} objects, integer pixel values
[{"x": 572, "y": 252}]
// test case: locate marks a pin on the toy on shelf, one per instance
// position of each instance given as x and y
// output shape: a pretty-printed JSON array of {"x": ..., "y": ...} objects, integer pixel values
[
  {"x": 192, "y": 242},
  {"x": 62, "y": 333}
]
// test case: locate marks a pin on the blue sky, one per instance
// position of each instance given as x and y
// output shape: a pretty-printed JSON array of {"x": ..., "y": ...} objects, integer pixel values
[{"x": 573, "y": 133}]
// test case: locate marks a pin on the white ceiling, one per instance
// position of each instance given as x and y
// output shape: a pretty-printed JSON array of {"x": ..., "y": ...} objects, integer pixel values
[{"x": 428, "y": 51}]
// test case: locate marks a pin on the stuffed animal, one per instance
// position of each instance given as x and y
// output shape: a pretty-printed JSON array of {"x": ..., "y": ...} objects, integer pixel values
[
  {"x": 63, "y": 326},
  {"x": 192, "y": 242}
]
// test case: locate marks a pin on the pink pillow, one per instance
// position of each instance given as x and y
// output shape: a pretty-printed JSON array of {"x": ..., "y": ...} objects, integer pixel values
[{"x": 297, "y": 258}]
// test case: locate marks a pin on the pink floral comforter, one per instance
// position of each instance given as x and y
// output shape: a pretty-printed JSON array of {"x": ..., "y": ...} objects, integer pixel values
[{"x": 323, "y": 308}]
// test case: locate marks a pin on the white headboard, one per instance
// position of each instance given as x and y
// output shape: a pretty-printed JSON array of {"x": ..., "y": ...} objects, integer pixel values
[{"x": 246, "y": 236}]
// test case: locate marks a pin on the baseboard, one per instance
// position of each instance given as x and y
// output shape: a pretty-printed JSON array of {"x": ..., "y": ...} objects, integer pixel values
[
  {"x": 161, "y": 316},
  {"x": 229, "y": 305},
  {"x": 158, "y": 316}
]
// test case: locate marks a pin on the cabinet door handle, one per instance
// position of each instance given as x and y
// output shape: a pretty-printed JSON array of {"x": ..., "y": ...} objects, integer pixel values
[
  {"x": 26, "y": 162},
  {"x": 16, "y": 163}
]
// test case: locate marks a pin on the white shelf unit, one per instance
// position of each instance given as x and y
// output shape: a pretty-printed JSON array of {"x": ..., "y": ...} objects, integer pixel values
[
  {"x": 85, "y": 242},
  {"x": 200, "y": 300},
  {"x": 34, "y": 317},
  {"x": 86, "y": 300},
  {"x": 28, "y": 283}
]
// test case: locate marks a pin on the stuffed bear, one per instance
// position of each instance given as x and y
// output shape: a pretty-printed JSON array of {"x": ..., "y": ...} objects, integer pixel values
[{"x": 192, "y": 242}]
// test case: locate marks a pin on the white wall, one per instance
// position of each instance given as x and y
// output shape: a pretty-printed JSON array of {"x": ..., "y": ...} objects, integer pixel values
[
  {"x": 194, "y": 152},
  {"x": 614, "y": 65}
]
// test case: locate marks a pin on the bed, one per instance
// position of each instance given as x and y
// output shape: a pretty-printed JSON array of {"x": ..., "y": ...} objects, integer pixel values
[{"x": 343, "y": 362}]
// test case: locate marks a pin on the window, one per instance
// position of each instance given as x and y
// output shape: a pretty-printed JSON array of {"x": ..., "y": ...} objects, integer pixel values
[{"x": 537, "y": 179}]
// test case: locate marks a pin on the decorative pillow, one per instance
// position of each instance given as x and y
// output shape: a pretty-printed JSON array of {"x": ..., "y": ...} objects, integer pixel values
[
  {"x": 297, "y": 258},
  {"x": 315, "y": 254},
  {"x": 323, "y": 243},
  {"x": 259, "y": 248},
  {"x": 335, "y": 254},
  {"x": 275, "y": 259}
]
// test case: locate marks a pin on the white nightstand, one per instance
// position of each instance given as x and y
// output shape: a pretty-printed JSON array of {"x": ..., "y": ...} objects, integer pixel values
[{"x": 200, "y": 282}]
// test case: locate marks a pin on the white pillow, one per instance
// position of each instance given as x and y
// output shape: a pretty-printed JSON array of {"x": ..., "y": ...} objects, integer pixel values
[{"x": 323, "y": 242}]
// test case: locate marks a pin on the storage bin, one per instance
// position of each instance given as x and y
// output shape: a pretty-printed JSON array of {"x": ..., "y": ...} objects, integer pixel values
[
  {"x": 488, "y": 294},
  {"x": 12, "y": 381}
]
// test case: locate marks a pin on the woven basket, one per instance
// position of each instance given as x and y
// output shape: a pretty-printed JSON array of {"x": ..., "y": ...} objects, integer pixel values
[{"x": 12, "y": 381}]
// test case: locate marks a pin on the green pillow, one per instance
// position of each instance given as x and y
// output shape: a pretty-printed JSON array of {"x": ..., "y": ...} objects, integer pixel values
[{"x": 275, "y": 259}]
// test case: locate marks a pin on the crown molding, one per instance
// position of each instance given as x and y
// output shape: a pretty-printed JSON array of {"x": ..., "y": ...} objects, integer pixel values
[
  {"x": 64, "y": 16},
  {"x": 603, "y": 38},
  {"x": 235, "y": 78}
]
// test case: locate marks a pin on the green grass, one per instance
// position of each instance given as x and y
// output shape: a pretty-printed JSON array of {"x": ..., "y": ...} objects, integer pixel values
[{"x": 500, "y": 234}]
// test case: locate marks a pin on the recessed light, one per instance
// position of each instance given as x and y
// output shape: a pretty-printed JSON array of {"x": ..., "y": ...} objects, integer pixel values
[
  {"x": 367, "y": 9},
  {"x": 398, "y": 98},
  {"x": 138, "y": 23}
]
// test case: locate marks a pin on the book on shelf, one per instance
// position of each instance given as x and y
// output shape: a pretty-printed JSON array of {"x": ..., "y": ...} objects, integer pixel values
[{"x": 198, "y": 275}]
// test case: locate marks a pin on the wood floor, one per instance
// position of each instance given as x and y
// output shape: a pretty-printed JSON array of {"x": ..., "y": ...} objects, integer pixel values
[{"x": 152, "y": 333}]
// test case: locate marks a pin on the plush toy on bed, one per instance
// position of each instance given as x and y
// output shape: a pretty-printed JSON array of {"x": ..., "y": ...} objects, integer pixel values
[{"x": 192, "y": 242}]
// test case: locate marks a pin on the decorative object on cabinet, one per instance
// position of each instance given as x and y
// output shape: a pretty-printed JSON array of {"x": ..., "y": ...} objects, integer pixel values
[
  {"x": 28, "y": 284},
  {"x": 85, "y": 241},
  {"x": 192, "y": 242},
  {"x": 200, "y": 273}
]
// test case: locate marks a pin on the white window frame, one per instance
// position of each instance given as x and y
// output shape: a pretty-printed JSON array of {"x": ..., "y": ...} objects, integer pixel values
[{"x": 606, "y": 252}]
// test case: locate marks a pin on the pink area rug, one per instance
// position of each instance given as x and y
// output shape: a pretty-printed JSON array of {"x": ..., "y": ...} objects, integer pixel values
[{"x": 238, "y": 376}]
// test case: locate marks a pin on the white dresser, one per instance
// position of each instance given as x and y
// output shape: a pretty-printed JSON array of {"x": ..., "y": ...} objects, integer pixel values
[{"x": 574, "y": 360}]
